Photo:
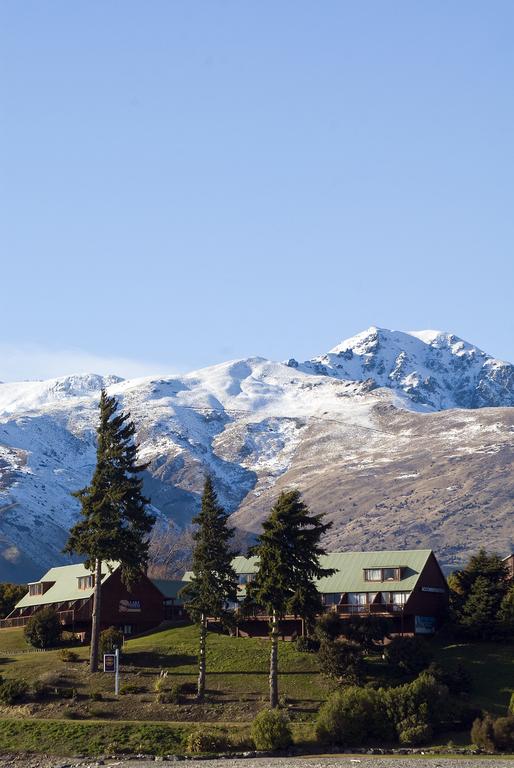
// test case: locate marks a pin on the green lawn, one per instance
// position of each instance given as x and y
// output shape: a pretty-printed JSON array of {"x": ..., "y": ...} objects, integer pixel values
[
  {"x": 237, "y": 678},
  {"x": 491, "y": 666},
  {"x": 13, "y": 640}
]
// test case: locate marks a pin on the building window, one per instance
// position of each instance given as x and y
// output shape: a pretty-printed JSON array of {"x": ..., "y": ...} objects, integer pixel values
[
  {"x": 246, "y": 578},
  {"x": 127, "y": 629},
  {"x": 36, "y": 589},
  {"x": 382, "y": 574},
  {"x": 86, "y": 582},
  {"x": 399, "y": 600},
  {"x": 373, "y": 574},
  {"x": 330, "y": 599}
]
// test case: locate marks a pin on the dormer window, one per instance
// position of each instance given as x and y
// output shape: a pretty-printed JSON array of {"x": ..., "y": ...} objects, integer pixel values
[
  {"x": 36, "y": 589},
  {"x": 86, "y": 582},
  {"x": 382, "y": 574}
]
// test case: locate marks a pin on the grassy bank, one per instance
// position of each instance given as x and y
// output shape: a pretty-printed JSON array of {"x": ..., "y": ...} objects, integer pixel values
[
  {"x": 91, "y": 739},
  {"x": 237, "y": 679}
]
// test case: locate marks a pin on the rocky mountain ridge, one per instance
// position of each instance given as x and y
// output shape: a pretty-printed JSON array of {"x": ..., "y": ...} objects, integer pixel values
[{"x": 402, "y": 439}]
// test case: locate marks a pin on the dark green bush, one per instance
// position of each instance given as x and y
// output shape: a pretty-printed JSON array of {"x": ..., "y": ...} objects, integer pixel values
[
  {"x": 353, "y": 717},
  {"x": 205, "y": 742},
  {"x": 341, "y": 660},
  {"x": 368, "y": 631},
  {"x": 457, "y": 679},
  {"x": 424, "y": 701},
  {"x": 13, "y": 691},
  {"x": 511, "y": 704},
  {"x": 110, "y": 639},
  {"x": 40, "y": 690},
  {"x": 271, "y": 730},
  {"x": 173, "y": 694},
  {"x": 408, "y": 654},
  {"x": 307, "y": 644},
  {"x": 328, "y": 627},
  {"x": 43, "y": 629}
]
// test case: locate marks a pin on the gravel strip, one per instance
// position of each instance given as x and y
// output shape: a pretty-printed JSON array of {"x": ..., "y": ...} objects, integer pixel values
[{"x": 343, "y": 761}]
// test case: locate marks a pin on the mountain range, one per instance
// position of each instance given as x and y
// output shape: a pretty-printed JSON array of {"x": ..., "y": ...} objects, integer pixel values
[{"x": 402, "y": 439}]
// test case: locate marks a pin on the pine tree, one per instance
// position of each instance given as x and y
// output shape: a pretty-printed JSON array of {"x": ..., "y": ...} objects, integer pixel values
[
  {"x": 288, "y": 552},
  {"x": 115, "y": 523},
  {"x": 214, "y": 582},
  {"x": 476, "y": 594}
]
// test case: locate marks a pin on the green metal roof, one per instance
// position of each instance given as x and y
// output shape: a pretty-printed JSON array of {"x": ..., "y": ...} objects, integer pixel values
[
  {"x": 65, "y": 587},
  {"x": 169, "y": 588},
  {"x": 350, "y": 566}
]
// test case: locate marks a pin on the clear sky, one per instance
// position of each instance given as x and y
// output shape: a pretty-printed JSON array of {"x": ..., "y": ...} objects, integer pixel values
[{"x": 185, "y": 182}]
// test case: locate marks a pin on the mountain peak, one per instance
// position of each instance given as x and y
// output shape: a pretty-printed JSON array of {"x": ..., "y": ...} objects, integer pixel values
[{"x": 433, "y": 368}]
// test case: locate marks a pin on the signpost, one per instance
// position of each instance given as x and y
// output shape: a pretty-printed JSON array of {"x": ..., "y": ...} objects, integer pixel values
[{"x": 112, "y": 664}]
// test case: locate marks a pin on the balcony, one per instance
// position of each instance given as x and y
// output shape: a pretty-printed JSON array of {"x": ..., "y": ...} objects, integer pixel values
[{"x": 377, "y": 609}]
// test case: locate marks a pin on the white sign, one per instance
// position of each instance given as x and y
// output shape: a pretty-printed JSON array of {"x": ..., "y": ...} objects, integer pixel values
[
  {"x": 130, "y": 606},
  {"x": 439, "y": 590}
]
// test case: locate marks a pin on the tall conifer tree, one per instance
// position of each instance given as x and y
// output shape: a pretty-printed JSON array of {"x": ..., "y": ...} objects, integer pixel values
[
  {"x": 115, "y": 522},
  {"x": 288, "y": 552},
  {"x": 214, "y": 582}
]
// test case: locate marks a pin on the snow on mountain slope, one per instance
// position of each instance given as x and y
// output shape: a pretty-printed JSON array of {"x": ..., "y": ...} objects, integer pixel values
[
  {"x": 250, "y": 423},
  {"x": 435, "y": 370}
]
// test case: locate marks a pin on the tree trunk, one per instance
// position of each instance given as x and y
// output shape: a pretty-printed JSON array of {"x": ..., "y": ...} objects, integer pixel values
[
  {"x": 273, "y": 665},
  {"x": 201, "y": 658},
  {"x": 95, "y": 618}
]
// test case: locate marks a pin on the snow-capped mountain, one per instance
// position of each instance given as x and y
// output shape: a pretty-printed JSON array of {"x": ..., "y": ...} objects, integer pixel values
[
  {"x": 434, "y": 369},
  {"x": 368, "y": 421}
]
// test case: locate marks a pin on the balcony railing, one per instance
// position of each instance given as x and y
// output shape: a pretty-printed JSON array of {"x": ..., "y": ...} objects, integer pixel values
[{"x": 350, "y": 609}]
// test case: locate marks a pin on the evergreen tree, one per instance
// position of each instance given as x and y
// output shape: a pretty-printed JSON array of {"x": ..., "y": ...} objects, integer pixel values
[
  {"x": 476, "y": 594},
  {"x": 214, "y": 582},
  {"x": 506, "y": 614},
  {"x": 288, "y": 552},
  {"x": 114, "y": 523}
]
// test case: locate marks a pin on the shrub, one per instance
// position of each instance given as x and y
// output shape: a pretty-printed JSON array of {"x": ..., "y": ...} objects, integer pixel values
[
  {"x": 66, "y": 655},
  {"x": 96, "y": 696},
  {"x": 424, "y": 701},
  {"x": 110, "y": 639},
  {"x": 415, "y": 735},
  {"x": 307, "y": 644},
  {"x": 130, "y": 688},
  {"x": 201, "y": 742},
  {"x": 64, "y": 693},
  {"x": 457, "y": 678},
  {"x": 40, "y": 690},
  {"x": 352, "y": 717},
  {"x": 341, "y": 660},
  {"x": 504, "y": 733},
  {"x": 511, "y": 705},
  {"x": 271, "y": 730},
  {"x": 43, "y": 629},
  {"x": 482, "y": 733},
  {"x": 13, "y": 691},
  {"x": 328, "y": 627},
  {"x": 409, "y": 654},
  {"x": 172, "y": 696},
  {"x": 368, "y": 631}
]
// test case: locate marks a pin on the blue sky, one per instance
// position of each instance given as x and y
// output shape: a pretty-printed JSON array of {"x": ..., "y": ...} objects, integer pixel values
[{"x": 187, "y": 182}]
